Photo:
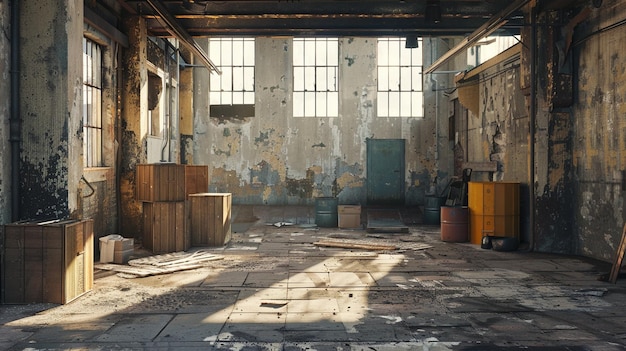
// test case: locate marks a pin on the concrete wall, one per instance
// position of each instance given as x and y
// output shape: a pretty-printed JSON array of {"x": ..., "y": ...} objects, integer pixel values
[
  {"x": 51, "y": 90},
  {"x": 598, "y": 131},
  {"x": 496, "y": 126},
  {"x": 274, "y": 158},
  {"x": 5, "y": 110}
]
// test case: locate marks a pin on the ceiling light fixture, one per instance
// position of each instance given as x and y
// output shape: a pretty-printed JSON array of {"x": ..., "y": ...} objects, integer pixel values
[{"x": 411, "y": 42}]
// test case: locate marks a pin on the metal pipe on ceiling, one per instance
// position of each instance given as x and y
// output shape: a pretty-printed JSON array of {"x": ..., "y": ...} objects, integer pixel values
[
  {"x": 486, "y": 29},
  {"x": 175, "y": 29}
]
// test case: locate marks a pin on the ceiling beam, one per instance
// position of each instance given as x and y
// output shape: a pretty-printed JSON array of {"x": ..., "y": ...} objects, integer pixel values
[
  {"x": 179, "y": 32},
  {"x": 485, "y": 30}
]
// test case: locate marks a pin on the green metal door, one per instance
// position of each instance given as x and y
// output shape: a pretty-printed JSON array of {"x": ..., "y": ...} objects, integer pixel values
[{"x": 385, "y": 171}]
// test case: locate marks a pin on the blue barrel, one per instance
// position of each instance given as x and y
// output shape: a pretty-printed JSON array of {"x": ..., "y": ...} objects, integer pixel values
[
  {"x": 432, "y": 209},
  {"x": 326, "y": 212}
]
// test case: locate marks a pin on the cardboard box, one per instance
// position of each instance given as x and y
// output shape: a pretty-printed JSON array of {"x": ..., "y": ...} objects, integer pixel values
[
  {"x": 124, "y": 244},
  {"x": 349, "y": 216},
  {"x": 122, "y": 257}
]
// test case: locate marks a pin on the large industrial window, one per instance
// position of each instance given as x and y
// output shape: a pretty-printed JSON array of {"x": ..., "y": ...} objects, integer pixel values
[
  {"x": 92, "y": 104},
  {"x": 232, "y": 93},
  {"x": 400, "y": 92},
  {"x": 315, "y": 77}
]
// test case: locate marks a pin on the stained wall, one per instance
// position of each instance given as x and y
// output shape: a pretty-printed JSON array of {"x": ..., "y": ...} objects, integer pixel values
[
  {"x": 5, "y": 110},
  {"x": 275, "y": 158},
  {"x": 599, "y": 130}
]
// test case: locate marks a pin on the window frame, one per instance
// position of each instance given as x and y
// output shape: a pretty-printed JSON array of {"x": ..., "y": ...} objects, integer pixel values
[
  {"x": 400, "y": 85},
  {"x": 315, "y": 77},
  {"x": 93, "y": 115},
  {"x": 224, "y": 89}
]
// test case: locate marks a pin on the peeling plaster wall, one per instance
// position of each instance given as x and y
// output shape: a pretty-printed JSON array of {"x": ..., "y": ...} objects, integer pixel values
[
  {"x": 51, "y": 92},
  {"x": 5, "y": 110},
  {"x": 599, "y": 132},
  {"x": 499, "y": 132},
  {"x": 274, "y": 158}
]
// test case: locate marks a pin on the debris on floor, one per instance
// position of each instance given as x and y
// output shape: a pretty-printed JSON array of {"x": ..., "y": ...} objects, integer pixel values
[
  {"x": 161, "y": 264},
  {"x": 354, "y": 245}
]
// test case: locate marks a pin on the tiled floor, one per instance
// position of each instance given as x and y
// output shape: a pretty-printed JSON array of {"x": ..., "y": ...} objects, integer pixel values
[{"x": 275, "y": 289}]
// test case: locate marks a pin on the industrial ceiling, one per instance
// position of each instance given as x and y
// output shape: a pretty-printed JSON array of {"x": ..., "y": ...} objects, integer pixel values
[{"x": 200, "y": 18}]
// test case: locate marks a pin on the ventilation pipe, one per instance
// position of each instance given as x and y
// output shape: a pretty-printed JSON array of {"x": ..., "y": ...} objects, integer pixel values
[{"x": 15, "y": 123}]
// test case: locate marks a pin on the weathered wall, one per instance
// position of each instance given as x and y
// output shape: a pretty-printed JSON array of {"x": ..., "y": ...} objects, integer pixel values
[
  {"x": 599, "y": 131},
  {"x": 134, "y": 126},
  {"x": 498, "y": 129},
  {"x": 5, "y": 110},
  {"x": 274, "y": 158},
  {"x": 51, "y": 89}
]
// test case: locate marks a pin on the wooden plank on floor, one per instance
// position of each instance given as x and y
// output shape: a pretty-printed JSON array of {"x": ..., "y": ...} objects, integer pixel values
[{"x": 354, "y": 245}]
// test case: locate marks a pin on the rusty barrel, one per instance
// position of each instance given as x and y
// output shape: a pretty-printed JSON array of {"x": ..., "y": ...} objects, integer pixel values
[{"x": 454, "y": 224}]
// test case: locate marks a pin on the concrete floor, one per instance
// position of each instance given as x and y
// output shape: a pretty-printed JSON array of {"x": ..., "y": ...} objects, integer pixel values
[{"x": 275, "y": 290}]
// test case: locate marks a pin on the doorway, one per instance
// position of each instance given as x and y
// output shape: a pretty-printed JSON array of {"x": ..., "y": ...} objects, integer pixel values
[{"x": 385, "y": 172}]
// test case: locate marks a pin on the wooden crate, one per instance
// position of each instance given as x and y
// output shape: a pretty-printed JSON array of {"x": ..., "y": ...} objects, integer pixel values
[
  {"x": 164, "y": 227},
  {"x": 170, "y": 182},
  {"x": 160, "y": 182},
  {"x": 47, "y": 262},
  {"x": 210, "y": 219},
  {"x": 196, "y": 179}
]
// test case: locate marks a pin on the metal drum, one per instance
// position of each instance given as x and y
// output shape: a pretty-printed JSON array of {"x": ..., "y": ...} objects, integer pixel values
[
  {"x": 454, "y": 225},
  {"x": 326, "y": 212},
  {"x": 432, "y": 211}
]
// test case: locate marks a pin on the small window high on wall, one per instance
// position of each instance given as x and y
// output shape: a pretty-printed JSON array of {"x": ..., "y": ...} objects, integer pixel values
[
  {"x": 400, "y": 91},
  {"x": 232, "y": 93},
  {"x": 92, "y": 104},
  {"x": 315, "y": 77}
]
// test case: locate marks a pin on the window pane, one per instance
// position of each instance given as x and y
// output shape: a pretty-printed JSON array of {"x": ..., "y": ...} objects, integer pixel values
[
  {"x": 320, "y": 104},
  {"x": 248, "y": 98},
  {"x": 227, "y": 79},
  {"x": 417, "y": 78},
  {"x": 320, "y": 79},
  {"x": 248, "y": 73},
  {"x": 309, "y": 52},
  {"x": 405, "y": 106},
  {"x": 309, "y": 104},
  {"x": 405, "y": 56},
  {"x": 332, "y": 79},
  {"x": 320, "y": 52},
  {"x": 394, "y": 54},
  {"x": 248, "y": 47},
  {"x": 227, "y": 53},
  {"x": 405, "y": 78},
  {"x": 333, "y": 104},
  {"x": 215, "y": 52},
  {"x": 237, "y": 78},
  {"x": 237, "y": 53},
  {"x": 333, "y": 53},
  {"x": 394, "y": 104},
  {"x": 309, "y": 78},
  {"x": 394, "y": 78}
]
